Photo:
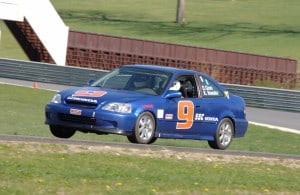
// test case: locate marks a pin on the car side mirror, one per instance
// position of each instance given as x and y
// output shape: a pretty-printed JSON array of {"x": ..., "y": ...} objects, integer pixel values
[
  {"x": 90, "y": 82},
  {"x": 173, "y": 94}
]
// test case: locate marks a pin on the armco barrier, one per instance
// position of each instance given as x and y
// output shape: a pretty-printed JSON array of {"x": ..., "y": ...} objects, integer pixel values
[
  {"x": 48, "y": 73},
  {"x": 261, "y": 97}
]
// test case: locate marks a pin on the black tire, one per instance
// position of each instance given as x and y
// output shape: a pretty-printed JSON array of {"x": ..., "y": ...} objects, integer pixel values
[
  {"x": 62, "y": 132},
  {"x": 153, "y": 140},
  {"x": 131, "y": 139},
  {"x": 144, "y": 129},
  {"x": 223, "y": 136}
]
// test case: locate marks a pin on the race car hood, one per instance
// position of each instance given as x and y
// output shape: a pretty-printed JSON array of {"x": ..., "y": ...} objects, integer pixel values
[{"x": 96, "y": 95}]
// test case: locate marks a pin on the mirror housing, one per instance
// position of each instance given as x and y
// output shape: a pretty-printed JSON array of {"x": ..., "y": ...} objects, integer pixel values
[
  {"x": 173, "y": 94},
  {"x": 90, "y": 82}
]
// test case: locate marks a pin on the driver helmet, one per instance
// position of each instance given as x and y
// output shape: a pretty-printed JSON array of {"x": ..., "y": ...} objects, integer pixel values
[{"x": 176, "y": 86}]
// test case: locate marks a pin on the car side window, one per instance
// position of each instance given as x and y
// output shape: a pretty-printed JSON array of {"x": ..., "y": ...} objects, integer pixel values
[
  {"x": 188, "y": 86},
  {"x": 209, "y": 89}
]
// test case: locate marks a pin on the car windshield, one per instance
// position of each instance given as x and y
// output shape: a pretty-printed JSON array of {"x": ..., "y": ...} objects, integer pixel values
[{"x": 142, "y": 80}]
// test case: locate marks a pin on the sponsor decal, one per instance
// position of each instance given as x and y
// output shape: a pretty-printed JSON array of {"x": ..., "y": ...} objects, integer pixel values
[
  {"x": 209, "y": 118},
  {"x": 199, "y": 117},
  {"x": 160, "y": 113},
  {"x": 82, "y": 99},
  {"x": 75, "y": 111},
  {"x": 169, "y": 116},
  {"x": 202, "y": 117},
  {"x": 148, "y": 106},
  {"x": 89, "y": 93}
]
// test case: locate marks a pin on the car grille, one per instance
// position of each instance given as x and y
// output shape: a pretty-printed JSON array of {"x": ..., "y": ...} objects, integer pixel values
[
  {"x": 77, "y": 119},
  {"x": 81, "y": 104}
]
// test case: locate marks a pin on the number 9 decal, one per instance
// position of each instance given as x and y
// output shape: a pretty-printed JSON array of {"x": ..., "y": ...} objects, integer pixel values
[{"x": 185, "y": 113}]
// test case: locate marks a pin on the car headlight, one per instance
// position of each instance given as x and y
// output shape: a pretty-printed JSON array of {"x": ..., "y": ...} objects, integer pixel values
[
  {"x": 118, "y": 107},
  {"x": 56, "y": 99}
]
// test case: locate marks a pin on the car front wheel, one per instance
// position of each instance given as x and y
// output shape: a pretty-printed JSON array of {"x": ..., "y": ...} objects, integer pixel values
[
  {"x": 144, "y": 129},
  {"x": 62, "y": 132},
  {"x": 223, "y": 136}
]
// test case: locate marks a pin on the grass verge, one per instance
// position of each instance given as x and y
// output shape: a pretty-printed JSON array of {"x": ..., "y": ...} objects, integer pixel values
[{"x": 28, "y": 168}]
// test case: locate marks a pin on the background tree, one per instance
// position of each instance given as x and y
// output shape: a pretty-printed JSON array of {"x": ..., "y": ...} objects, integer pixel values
[{"x": 180, "y": 11}]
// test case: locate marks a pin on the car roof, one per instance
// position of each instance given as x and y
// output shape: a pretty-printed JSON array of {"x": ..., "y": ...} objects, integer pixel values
[
  {"x": 174, "y": 70},
  {"x": 163, "y": 68}
]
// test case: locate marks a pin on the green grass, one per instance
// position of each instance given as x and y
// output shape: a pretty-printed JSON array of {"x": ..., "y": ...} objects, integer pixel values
[
  {"x": 23, "y": 110},
  {"x": 270, "y": 27},
  {"x": 28, "y": 168}
]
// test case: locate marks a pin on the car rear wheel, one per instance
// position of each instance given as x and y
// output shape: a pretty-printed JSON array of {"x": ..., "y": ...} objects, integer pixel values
[
  {"x": 62, "y": 132},
  {"x": 144, "y": 129},
  {"x": 223, "y": 136}
]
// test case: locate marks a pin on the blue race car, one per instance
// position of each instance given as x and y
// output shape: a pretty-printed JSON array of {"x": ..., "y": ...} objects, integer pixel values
[{"x": 146, "y": 102}]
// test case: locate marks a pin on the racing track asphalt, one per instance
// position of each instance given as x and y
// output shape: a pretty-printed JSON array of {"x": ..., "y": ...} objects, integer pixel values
[
  {"x": 146, "y": 147},
  {"x": 281, "y": 120}
]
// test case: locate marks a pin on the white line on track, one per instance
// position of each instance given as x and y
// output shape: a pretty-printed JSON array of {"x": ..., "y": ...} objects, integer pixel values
[{"x": 276, "y": 127}]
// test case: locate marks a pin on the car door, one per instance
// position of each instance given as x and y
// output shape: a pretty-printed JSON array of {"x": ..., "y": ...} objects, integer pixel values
[
  {"x": 179, "y": 113},
  {"x": 196, "y": 113},
  {"x": 209, "y": 106}
]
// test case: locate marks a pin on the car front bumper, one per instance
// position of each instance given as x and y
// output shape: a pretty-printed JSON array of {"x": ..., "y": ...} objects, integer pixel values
[{"x": 89, "y": 120}]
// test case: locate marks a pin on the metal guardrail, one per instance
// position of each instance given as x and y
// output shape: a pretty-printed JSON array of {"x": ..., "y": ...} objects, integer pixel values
[
  {"x": 48, "y": 73},
  {"x": 260, "y": 97}
]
